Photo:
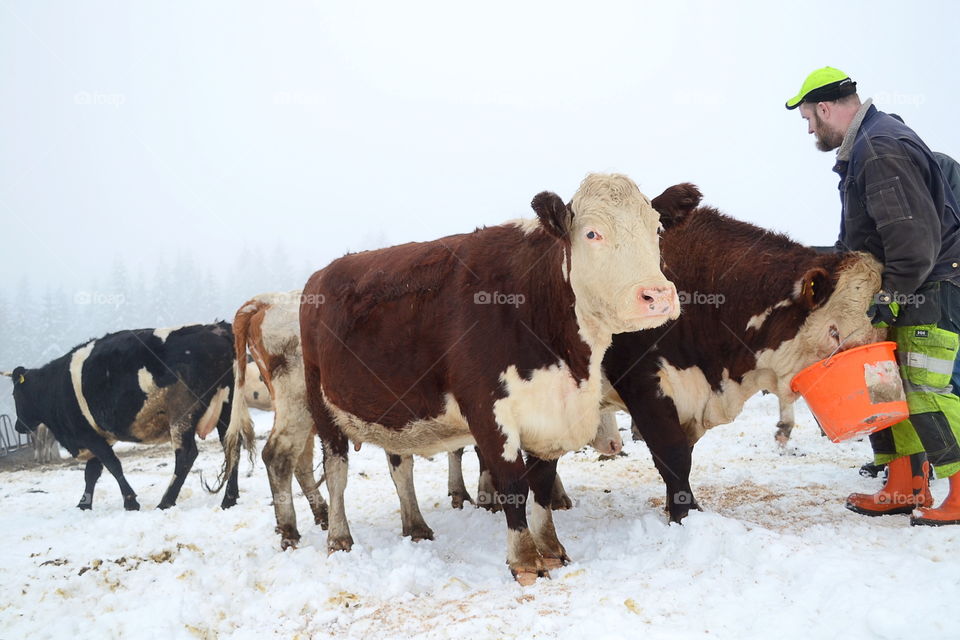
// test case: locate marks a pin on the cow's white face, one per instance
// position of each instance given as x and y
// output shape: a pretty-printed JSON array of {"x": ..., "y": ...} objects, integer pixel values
[
  {"x": 615, "y": 257},
  {"x": 841, "y": 319}
]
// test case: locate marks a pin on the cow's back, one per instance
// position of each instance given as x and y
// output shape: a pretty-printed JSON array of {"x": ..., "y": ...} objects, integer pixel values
[{"x": 395, "y": 332}]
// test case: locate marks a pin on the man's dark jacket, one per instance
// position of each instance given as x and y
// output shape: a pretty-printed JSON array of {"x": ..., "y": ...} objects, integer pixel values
[{"x": 896, "y": 204}]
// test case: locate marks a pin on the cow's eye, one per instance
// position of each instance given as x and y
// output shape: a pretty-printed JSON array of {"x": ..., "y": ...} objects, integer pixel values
[{"x": 594, "y": 235}]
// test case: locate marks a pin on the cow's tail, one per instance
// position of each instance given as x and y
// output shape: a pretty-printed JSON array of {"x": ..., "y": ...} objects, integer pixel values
[{"x": 240, "y": 429}]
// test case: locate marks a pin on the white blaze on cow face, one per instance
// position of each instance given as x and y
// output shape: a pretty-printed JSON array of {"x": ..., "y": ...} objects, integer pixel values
[
  {"x": 842, "y": 318},
  {"x": 615, "y": 258}
]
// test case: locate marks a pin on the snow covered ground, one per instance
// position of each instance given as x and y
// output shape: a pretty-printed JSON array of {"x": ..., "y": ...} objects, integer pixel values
[{"x": 774, "y": 554}]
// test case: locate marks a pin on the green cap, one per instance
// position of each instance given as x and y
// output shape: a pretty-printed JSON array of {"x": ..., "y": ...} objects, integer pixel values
[{"x": 823, "y": 85}]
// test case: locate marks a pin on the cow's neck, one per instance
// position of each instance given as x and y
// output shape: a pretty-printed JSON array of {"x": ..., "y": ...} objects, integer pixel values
[{"x": 557, "y": 319}]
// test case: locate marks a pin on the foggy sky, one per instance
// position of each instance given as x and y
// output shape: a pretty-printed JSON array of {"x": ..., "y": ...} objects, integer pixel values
[{"x": 135, "y": 130}]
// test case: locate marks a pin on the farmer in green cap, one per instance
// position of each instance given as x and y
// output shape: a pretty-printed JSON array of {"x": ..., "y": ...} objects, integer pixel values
[{"x": 897, "y": 206}]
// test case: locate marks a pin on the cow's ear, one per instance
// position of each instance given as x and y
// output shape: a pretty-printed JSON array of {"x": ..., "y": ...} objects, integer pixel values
[
  {"x": 18, "y": 375},
  {"x": 554, "y": 215},
  {"x": 676, "y": 203},
  {"x": 814, "y": 288}
]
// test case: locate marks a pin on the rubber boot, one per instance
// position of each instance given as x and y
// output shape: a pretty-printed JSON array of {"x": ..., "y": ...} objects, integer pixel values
[
  {"x": 907, "y": 487},
  {"x": 946, "y": 513}
]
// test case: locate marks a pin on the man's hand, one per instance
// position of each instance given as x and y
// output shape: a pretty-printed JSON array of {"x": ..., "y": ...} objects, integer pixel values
[{"x": 883, "y": 312}]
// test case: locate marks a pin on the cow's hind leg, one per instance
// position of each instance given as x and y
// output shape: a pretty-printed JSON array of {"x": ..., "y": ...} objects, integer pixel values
[
  {"x": 281, "y": 455},
  {"x": 542, "y": 475},
  {"x": 91, "y": 473},
  {"x": 310, "y": 485},
  {"x": 401, "y": 471},
  {"x": 184, "y": 456},
  {"x": 102, "y": 450},
  {"x": 785, "y": 425},
  {"x": 559, "y": 500},
  {"x": 335, "y": 456},
  {"x": 486, "y": 492},
  {"x": 456, "y": 489}
]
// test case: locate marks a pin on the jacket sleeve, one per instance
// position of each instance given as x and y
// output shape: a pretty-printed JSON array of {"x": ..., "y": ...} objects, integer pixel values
[
  {"x": 951, "y": 172},
  {"x": 899, "y": 202}
]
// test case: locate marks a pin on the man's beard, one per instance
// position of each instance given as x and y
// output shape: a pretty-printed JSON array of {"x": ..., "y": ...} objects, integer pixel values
[{"x": 827, "y": 140}]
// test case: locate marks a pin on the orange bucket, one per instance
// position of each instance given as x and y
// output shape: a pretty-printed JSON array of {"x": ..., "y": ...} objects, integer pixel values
[{"x": 855, "y": 392}]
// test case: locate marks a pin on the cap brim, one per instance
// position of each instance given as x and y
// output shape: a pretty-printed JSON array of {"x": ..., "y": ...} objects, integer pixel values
[{"x": 794, "y": 102}]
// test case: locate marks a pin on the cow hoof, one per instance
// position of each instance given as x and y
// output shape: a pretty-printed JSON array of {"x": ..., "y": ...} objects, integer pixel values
[
  {"x": 131, "y": 504},
  {"x": 321, "y": 518},
  {"x": 84, "y": 506},
  {"x": 492, "y": 507},
  {"x": 551, "y": 562},
  {"x": 163, "y": 506},
  {"x": 561, "y": 503},
  {"x": 339, "y": 544},
  {"x": 288, "y": 543},
  {"x": 457, "y": 500},
  {"x": 419, "y": 533},
  {"x": 228, "y": 502},
  {"x": 527, "y": 577}
]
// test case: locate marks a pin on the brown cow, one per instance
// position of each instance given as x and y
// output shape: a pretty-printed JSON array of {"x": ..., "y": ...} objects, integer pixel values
[
  {"x": 758, "y": 308},
  {"x": 493, "y": 337}
]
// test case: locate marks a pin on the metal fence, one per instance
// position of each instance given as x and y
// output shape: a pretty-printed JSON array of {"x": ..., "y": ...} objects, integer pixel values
[{"x": 10, "y": 440}]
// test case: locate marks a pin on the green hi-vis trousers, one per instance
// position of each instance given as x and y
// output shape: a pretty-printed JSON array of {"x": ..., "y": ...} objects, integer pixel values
[{"x": 926, "y": 351}]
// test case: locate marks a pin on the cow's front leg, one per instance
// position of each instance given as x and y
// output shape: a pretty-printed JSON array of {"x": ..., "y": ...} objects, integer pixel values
[
  {"x": 509, "y": 475},
  {"x": 542, "y": 476},
  {"x": 456, "y": 489},
  {"x": 102, "y": 450},
  {"x": 91, "y": 473},
  {"x": 657, "y": 421},
  {"x": 184, "y": 456},
  {"x": 401, "y": 471}
]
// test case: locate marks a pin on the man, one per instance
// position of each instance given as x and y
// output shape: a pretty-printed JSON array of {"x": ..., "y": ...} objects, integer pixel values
[
  {"x": 951, "y": 174},
  {"x": 897, "y": 206}
]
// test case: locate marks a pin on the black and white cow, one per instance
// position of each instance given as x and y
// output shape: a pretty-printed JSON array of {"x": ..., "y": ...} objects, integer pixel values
[{"x": 144, "y": 385}]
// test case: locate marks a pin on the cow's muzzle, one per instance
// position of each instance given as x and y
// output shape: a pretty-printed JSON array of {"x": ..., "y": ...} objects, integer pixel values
[{"x": 653, "y": 302}]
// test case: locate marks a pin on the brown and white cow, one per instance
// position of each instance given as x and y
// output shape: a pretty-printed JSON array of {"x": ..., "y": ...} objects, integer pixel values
[
  {"x": 758, "y": 308},
  {"x": 255, "y": 391},
  {"x": 268, "y": 325},
  {"x": 493, "y": 337}
]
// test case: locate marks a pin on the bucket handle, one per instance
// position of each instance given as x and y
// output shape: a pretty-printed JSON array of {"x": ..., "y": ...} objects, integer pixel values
[{"x": 833, "y": 333}]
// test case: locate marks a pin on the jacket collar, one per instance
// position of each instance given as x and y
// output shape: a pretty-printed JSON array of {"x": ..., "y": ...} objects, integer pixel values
[{"x": 843, "y": 153}]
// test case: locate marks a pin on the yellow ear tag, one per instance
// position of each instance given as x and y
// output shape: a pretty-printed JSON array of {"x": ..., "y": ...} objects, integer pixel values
[{"x": 21, "y": 378}]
